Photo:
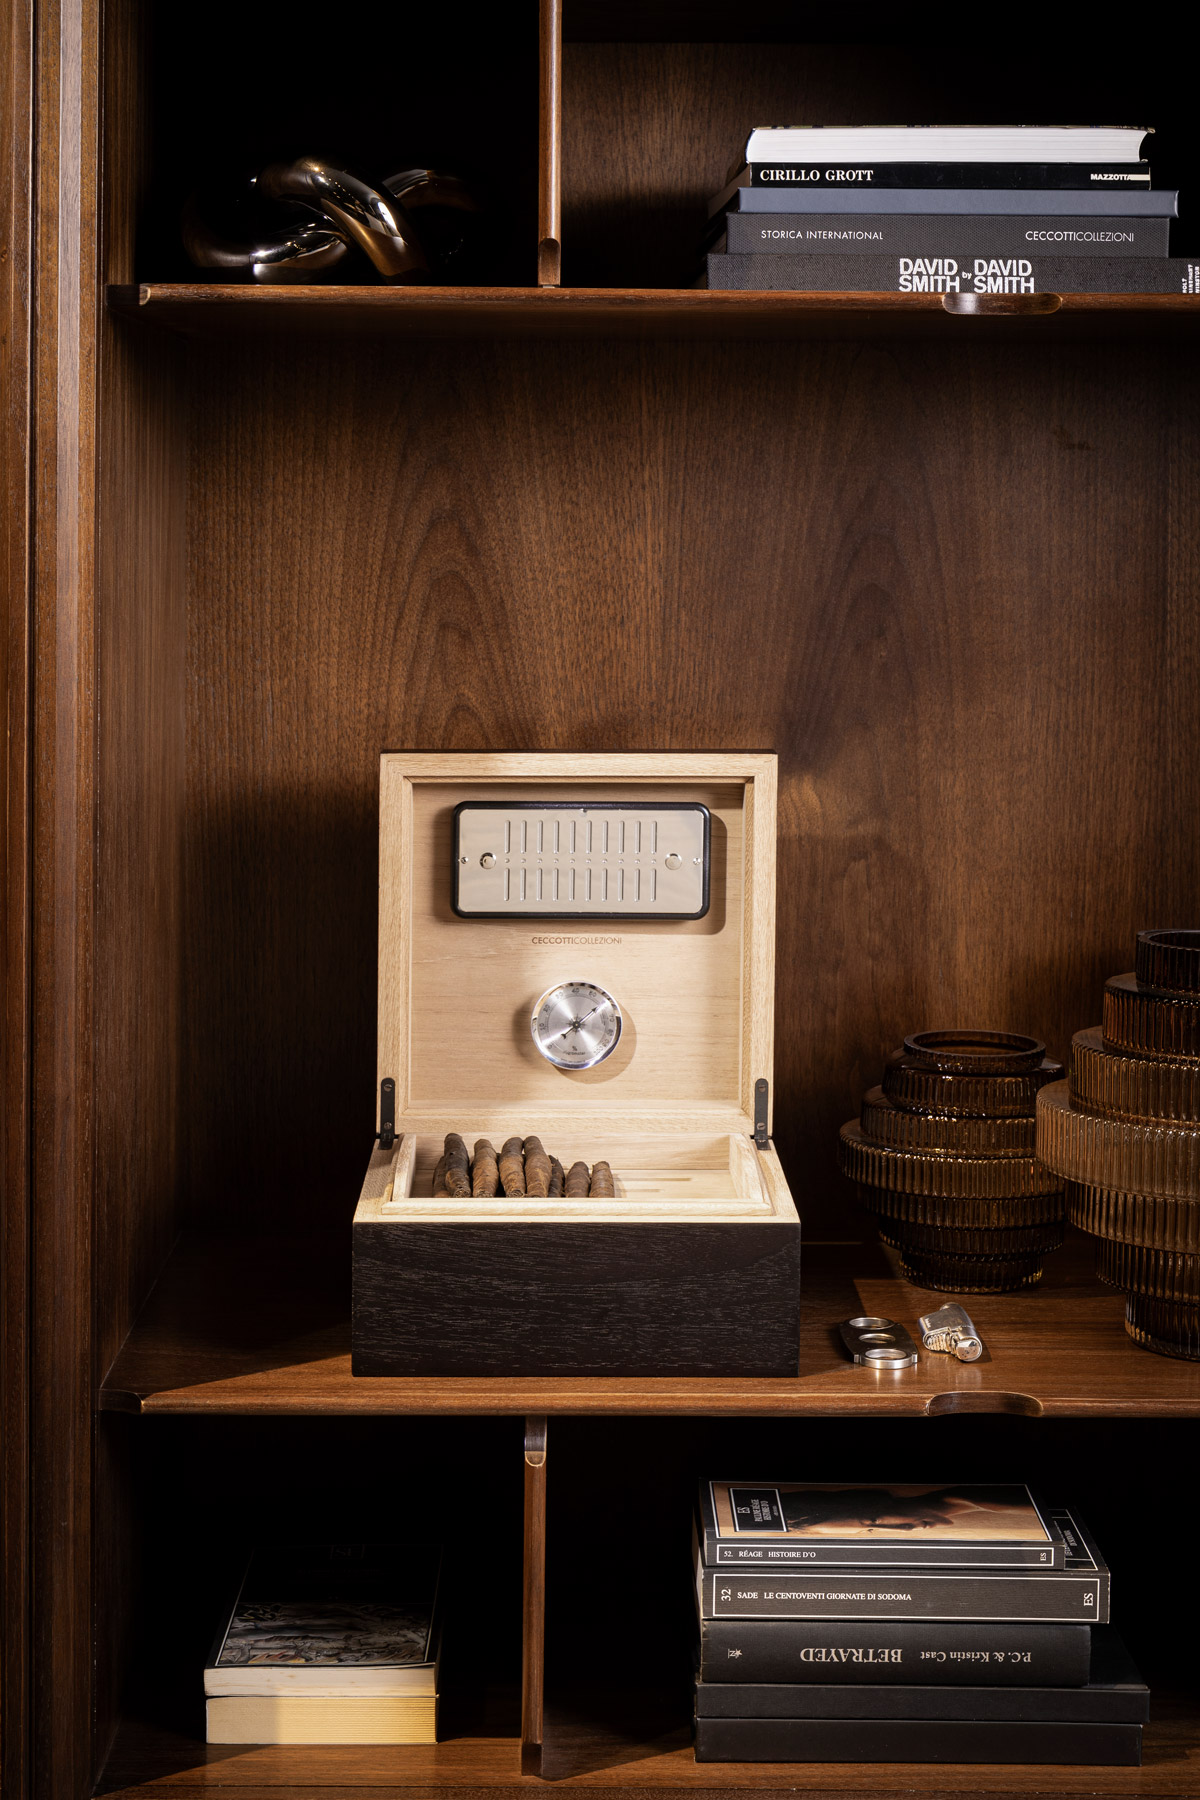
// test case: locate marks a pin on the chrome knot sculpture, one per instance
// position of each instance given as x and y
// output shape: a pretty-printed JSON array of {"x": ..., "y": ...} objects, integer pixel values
[{"x": 299, "y": 220}]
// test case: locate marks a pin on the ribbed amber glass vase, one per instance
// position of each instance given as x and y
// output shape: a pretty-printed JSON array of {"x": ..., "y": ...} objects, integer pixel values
[{"x": 943, "y": 1154}]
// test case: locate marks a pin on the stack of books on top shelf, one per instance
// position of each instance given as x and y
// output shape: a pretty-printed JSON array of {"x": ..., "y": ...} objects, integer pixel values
[
  {"x": 327, "y": 1644},
  {"x": 933, "y": 209},
  {"x": 905, "y": 1624}
]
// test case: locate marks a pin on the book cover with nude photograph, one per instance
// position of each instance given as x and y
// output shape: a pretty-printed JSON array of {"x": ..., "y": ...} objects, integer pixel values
[{"x": 861, "y": 1524}]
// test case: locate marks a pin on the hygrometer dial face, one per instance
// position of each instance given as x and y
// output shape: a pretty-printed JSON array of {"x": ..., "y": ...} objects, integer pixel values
[{"x": 576, "y": 1025}]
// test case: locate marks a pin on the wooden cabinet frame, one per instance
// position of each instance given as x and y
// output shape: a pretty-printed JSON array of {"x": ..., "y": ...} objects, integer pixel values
[{"x": 112, "y": 450}]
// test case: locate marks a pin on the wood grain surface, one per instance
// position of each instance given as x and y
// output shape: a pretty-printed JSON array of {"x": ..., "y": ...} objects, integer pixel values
[
  {"x": 456, "y": 995},
  {"x": 17, "y": 151},
  {"x": 222, "y": 310},
  {"x": 607, "y": 1758},
  {"x": 941, "y": 582},
  {"x": 237, "y": 1325},
  {"x": 533, "y": 1580}
]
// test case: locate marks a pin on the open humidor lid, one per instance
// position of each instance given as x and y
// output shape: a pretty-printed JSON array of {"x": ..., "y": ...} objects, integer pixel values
[{"x": 456, "y": 994}]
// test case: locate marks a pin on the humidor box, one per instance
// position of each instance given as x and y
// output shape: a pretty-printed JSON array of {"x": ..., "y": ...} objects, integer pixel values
[{"x": 693, "y": 1268}]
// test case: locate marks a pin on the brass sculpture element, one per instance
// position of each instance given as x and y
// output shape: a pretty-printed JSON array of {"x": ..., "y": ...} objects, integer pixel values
[
  {"x": 335, "y": 210},
  {"x": 294, "y": 254},
  {"x": 558, "y": 1179},
  {"x": 537, "y": 1168},
  {"x": 577, "y": 1183},
  {"x": 512, "y": 1166},
  {"x": 458, "y": 1179},
  {"x": 485, "y": 1171},
  {"x": 358, "y": 212},
  {"x": 602, "y": 1183}
]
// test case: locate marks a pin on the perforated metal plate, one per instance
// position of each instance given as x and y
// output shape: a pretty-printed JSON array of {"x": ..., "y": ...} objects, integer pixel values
[{"x": 606, "y": 860}]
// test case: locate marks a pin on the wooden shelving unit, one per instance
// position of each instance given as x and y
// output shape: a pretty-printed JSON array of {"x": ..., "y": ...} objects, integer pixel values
[
  {"x": 945, "y": 565},
  {"x": 236, "y": 1327},
  {"x": 216, "y": 310}
]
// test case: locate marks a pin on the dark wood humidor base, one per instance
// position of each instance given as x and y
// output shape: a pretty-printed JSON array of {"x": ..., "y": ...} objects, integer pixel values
[{"x": 576, "y": 1299}]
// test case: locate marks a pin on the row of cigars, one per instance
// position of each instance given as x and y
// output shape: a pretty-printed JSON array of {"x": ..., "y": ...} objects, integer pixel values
[{"x": 522, "y": 1168}]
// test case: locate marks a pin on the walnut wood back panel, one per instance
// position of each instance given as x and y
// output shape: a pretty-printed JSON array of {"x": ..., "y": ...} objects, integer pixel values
[{"x": 953, "y": 588}]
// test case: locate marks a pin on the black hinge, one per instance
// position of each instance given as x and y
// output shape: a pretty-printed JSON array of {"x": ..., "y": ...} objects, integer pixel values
[
  {"x": 761, "y": 1092},
  {"x": 387, "y": 1113}
]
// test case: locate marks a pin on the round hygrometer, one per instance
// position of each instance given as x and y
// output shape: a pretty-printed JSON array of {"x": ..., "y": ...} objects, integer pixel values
[{"x": 576, "y": 1025}]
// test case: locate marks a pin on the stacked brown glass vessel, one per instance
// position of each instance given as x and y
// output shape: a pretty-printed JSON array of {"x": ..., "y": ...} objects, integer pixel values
[
  {"x": 1124, "y": 1132},
  {"x": 943, "y": 1156}
]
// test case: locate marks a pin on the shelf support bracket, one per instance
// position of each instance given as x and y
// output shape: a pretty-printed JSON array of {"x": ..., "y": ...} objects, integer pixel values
[{"x": 533, "y": 1651}]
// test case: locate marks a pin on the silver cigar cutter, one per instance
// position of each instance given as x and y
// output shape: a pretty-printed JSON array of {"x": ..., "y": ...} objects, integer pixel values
[
  {"x": 878, "y": 1343},
  {"x": 951, "y": 1328}
]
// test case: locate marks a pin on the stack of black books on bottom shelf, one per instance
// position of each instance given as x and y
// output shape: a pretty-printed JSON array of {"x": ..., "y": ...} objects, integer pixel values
[
  {"x": 946, "y": 210},
  {"x": 906, "y": 1624},
  {"x": 327, "y": 1644}
]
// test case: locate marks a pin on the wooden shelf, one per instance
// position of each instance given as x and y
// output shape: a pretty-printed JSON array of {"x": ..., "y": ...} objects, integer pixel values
[
  {"x": 237, "y": 1326},
  {"x": 211, "y": 309},
  {"x": 148, "y": 1760}
]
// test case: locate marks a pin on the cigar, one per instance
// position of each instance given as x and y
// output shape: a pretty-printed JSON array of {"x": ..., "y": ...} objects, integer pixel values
[
  {"x": 577, "y": 1181},
  {"x": 512, "y": 1166},
  {"x": 558, "y": 1178},
  {"x": 440, "y": 1190},
  {"x": 537, "y": 1168},
  {"x": 602, "y": 1183},
  {"x": 458, "y": 1182},
  {"x": 485, "y": 1171}
]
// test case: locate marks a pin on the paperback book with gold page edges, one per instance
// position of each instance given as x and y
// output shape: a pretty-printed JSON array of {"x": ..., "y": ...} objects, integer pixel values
[
  {"x": 328, "y": 1644},
  {"x": 793, "y": 1524}
]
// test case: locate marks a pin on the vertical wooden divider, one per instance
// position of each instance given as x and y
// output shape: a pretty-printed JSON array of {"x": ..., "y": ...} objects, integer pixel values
[
  {"x": 533, "y": 1639},
  {"x": 549, "y": 144}
]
